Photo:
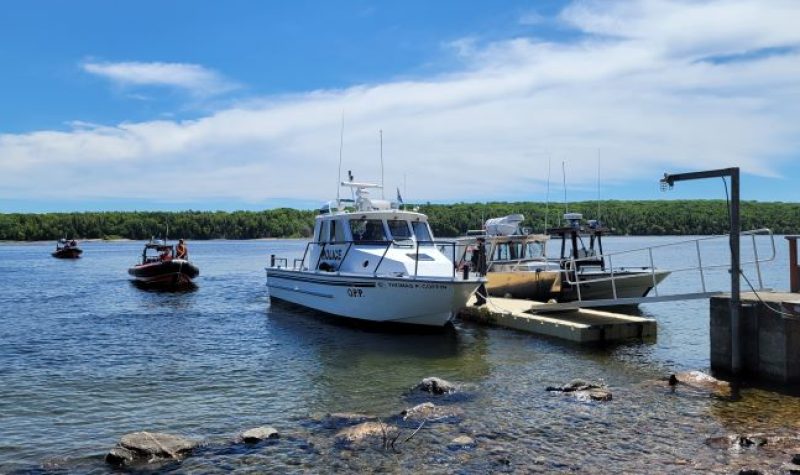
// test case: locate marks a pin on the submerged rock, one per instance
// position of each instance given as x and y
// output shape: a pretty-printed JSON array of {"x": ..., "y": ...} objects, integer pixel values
[
  {"x": 598, "y": 394},
  {"x": 699, "y": 381},
  {"x": 430, "y": 412},
  {"x": 337, "y": 420},
  {"x": 749, "y": 441},
  {"x": 583, "y": 390},
  {"x": 366, "y": 430},
  {"x": 791, "y": 468},
  {"x": 436, "y": 386},
  {"x": 575, "y": 385},
  {"x": 257, "y": 434},
  {"x": 149, "y": 447},
  {"x": 462, "y": 442}
]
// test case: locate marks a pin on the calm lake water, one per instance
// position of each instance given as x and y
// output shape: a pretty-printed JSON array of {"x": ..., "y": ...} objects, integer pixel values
[{"x": 86, "y": 357}]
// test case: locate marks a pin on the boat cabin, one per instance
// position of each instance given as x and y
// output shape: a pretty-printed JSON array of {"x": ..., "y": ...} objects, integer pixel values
[{"x": 365, "y": 234}]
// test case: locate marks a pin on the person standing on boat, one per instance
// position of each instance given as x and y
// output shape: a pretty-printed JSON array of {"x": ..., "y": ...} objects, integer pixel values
[
  {"x": 181, "y": 252},
  {"x": 166, "y": 255},
  {"x": 479, "y": 266}
]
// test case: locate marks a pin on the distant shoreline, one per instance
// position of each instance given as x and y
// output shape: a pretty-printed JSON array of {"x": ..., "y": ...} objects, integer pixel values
[{"x": 631, "y": 218}]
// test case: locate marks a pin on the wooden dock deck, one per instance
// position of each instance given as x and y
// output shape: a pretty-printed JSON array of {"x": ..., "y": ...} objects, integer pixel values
[{"x": 580, "y": 325}]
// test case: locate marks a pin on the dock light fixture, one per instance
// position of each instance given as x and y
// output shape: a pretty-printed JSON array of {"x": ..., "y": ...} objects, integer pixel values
[{"x": 668, "y": 182}]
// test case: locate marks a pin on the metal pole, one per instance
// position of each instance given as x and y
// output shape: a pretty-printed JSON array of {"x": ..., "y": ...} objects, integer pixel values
[
  {"x": 736, "y": 356},
  {"x": 735, "y": 302},
  {"x": 794, "y": 272}
]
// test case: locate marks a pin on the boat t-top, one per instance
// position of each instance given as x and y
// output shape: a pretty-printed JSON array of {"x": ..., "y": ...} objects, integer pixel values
[
  {"x": 371, "y": 260},
  {"x": 586, "y": 274}
]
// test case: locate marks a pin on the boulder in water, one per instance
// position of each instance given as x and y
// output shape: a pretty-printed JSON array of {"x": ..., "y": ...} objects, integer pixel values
[
  {"x": 257, "y": 434},
  {"x": 364, "y": 431},
  {"x": 149, "y": 447},
  {"x": 575, "y": 385},
  {"x": 584, "y": 390},
  {"x": 430, "y": 412},
  {"x": 699, "y": 381},
  {"x": 436, "y": 386},
  {"x": 462, "y": 442}
]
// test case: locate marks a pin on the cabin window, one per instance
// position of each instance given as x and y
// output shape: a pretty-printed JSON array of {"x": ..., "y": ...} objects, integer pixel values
[
  {"x": 420, "y": 256},
  {"x": 336, "y": 232},
  {"x": 366, "y": 230},
  {"x": 533, "y": 249},
  {"x": 501, "y": 252},
  {"x": 399, "y": 229},
  {"x": 324, "y": 230},
  {"x": 421, "y": 231}
]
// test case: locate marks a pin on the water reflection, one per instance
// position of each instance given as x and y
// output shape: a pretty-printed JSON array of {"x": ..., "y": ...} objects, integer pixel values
[{"x": 364, "y": 368}]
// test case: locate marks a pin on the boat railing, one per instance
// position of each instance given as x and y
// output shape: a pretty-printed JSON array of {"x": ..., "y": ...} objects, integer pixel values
[
  {"x": 300, "y": 263},
  {"x": 573, "y": 268}
]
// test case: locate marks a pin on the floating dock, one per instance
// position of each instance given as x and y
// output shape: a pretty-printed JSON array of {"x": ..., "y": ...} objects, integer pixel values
[{"x": 577, "y": 325}]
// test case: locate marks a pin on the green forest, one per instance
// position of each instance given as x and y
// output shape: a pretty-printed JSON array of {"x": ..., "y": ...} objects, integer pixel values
[{"x": 680, "y": 217}]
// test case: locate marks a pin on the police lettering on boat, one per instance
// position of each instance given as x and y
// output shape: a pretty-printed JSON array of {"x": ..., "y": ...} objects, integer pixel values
[{"x": 371, "y": 260}]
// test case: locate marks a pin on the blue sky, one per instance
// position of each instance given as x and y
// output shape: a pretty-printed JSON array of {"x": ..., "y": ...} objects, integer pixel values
[{"x": 238, "y": 105}]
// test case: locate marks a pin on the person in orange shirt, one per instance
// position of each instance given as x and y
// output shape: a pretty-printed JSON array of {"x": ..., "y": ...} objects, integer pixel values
[{"x": 181, "y": 252}]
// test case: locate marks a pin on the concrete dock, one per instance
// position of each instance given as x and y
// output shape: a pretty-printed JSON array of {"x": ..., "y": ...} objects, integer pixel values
[
  {"x": 581, "y": 325},
  {"x": 769, "y": 336}
]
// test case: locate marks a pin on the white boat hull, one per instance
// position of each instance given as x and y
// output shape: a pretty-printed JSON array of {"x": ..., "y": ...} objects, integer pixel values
[
  {"x": 425, "y": 301},
  {"x": 629, "y": 284}
]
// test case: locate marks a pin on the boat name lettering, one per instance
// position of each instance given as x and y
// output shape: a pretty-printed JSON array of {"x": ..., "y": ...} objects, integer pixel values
[
  {"x": 433, "y": 286},
  {"x": 400, "y": 284},
  {"x": 355, "y": 292},
  {"x": 332, "y": 254}
]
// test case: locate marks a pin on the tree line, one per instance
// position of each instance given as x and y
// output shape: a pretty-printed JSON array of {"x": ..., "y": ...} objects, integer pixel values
[{"x": 678, "y": 217}]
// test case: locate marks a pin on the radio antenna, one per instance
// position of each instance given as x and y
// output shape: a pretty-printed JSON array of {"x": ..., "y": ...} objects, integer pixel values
[
  {"x": 598, "y": 185},
  {"x": 547, "y": 205},
  {"x": 339, "y": 177},
  {"x": 564, "y": 178},
  {"x": 382, "y": 187}
]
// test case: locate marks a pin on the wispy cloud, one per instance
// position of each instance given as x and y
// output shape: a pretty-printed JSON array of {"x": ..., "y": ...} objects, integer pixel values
[
  {"x": 192, "y": 78},
  {"x": 532, "y": 18},
  {"x": 635, "y": 84}
]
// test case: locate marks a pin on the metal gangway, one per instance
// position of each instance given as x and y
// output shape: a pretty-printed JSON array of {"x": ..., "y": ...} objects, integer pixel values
[{"x": 698, "y": 268}]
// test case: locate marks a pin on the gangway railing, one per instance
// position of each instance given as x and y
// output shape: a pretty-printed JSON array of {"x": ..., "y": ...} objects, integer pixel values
[{"x": 573, "y": 272}]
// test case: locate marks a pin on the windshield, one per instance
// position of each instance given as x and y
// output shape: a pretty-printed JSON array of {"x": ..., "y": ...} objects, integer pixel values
[
  {"x": 421, "y": 231},
  {"x": 367, "y": 230},
  {"x": 399, "y": 230}
]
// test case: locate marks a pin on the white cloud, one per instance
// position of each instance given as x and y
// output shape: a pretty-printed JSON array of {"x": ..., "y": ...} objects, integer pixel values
[
  {"x": 636, "y": 86},
  {"x": 190, "y": 77}
]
